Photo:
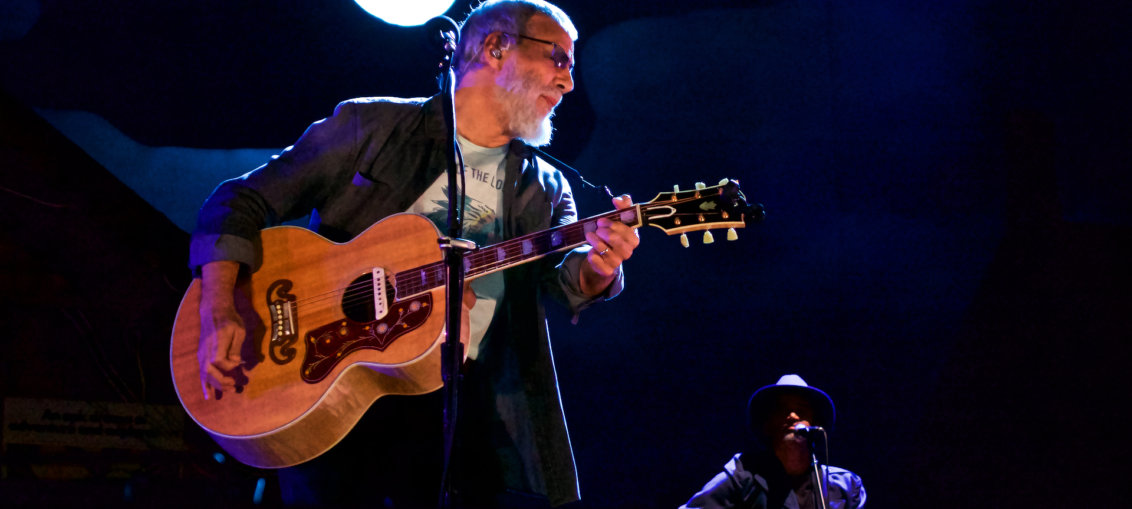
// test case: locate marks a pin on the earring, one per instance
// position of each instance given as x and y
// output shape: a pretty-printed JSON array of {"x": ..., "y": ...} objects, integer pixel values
[{"x": 496, "y": 53}]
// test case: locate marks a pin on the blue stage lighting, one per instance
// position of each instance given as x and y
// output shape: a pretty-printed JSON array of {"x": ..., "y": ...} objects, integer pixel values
[
  {"x": 400, "y": 12},
  {"x": 257, "y": 497}
]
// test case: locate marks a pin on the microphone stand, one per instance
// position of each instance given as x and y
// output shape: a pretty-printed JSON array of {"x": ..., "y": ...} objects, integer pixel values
[
  {"x": 818, "y": 480},
  {"x": 452, "y": 350}
]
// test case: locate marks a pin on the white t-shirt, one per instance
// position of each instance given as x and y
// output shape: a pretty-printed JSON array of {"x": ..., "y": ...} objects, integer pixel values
[{"x": 483, "y": 223}]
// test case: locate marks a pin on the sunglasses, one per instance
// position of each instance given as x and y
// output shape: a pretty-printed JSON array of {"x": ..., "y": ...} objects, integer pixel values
[{"x": 557, "y": 53}]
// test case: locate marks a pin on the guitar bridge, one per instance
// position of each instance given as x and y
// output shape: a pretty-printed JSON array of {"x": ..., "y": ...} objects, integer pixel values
[
  {"x": 283, "y": 330},
  {"x": 282, "y": 309}
]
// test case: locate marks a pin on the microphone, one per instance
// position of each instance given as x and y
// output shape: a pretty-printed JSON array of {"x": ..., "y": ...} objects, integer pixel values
[
  {"x": 808, "y": 431},
  {"x": 442, "y": 32}
]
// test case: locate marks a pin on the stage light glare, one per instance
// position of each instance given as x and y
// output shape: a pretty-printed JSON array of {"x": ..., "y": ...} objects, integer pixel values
[{"x": 405, "y": 13}]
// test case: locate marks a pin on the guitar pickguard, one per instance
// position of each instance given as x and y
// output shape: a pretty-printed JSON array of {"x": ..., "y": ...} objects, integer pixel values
[{"x": 329, "y": 344}]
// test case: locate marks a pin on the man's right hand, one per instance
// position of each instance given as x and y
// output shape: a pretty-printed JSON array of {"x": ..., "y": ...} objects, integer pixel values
[{"x": 221, "y": 328}]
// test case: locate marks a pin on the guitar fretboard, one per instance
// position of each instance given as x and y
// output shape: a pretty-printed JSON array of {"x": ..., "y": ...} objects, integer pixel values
[{"x": 509, "y": 253}]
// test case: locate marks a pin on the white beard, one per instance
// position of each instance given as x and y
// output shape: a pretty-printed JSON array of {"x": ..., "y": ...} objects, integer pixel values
[{"x": 520, "y": 113}]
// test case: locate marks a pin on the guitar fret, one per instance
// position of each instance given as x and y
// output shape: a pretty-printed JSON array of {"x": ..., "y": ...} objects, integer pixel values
[
  {"x": 499, "y": 256},
  {"x": 482, "y": 261}
]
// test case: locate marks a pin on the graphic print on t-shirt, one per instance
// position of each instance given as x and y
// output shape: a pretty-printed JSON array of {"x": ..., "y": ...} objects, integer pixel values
[{"x": 483, "y": 224}]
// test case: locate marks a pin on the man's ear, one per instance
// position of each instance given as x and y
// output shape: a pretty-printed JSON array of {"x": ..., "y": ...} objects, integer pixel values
[{"x": 493, "y": 47}]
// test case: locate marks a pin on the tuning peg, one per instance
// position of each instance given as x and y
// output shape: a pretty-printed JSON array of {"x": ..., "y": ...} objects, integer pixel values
[
  {"x": 700, "y": 185},
  {"x": 724, "y": 181},
  {"x": 684, "y": 240},
  {"x": 731, "y": 235},
  {"x": 676, "y": 188},
  {"x": 708, "y": 239}
]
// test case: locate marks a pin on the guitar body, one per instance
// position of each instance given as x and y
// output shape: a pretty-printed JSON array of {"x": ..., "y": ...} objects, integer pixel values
[
  {"x": 316, "y": 354},
  {"x": 324, "y": 341}
]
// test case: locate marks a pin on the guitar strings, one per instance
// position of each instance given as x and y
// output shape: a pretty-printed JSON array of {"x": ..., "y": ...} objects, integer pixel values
[{"x": 408, "y": 282}]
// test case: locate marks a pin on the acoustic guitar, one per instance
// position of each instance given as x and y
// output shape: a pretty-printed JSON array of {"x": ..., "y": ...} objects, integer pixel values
[{"x": 333, "y": 327}]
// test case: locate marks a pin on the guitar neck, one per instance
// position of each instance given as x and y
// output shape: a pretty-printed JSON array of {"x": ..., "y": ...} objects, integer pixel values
[
  {"x": 675, "y": 212},
  {"x": 509, "y": 253}
]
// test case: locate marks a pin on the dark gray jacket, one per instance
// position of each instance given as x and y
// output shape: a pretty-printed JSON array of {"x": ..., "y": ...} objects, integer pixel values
[
  {"x": 760, "y": 483},
  {"x": 374, "y": 157}
]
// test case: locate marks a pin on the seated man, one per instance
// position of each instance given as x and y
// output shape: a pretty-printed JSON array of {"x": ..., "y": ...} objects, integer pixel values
[{"x": 779, "y": 473}]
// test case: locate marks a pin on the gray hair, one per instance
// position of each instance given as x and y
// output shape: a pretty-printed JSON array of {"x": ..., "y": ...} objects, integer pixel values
[{"x": 509, "y": 16}]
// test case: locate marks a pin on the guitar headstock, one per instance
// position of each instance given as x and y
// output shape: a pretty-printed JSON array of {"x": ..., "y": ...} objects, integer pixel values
[{"x": 703, "y": 208}]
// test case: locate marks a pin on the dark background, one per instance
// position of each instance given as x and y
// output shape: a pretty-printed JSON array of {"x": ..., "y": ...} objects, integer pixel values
[{"x": 945, "y": 252}]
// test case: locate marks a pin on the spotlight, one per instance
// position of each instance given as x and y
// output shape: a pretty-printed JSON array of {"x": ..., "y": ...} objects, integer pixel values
[{"x": 407, "y": 14}]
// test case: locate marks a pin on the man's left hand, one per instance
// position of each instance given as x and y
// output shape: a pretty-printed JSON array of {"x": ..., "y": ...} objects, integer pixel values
[{"x": 611, "y": 244}]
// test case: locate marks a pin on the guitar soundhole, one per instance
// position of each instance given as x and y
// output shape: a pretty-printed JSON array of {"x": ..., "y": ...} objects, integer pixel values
[{"x": 357, "y": 302}]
